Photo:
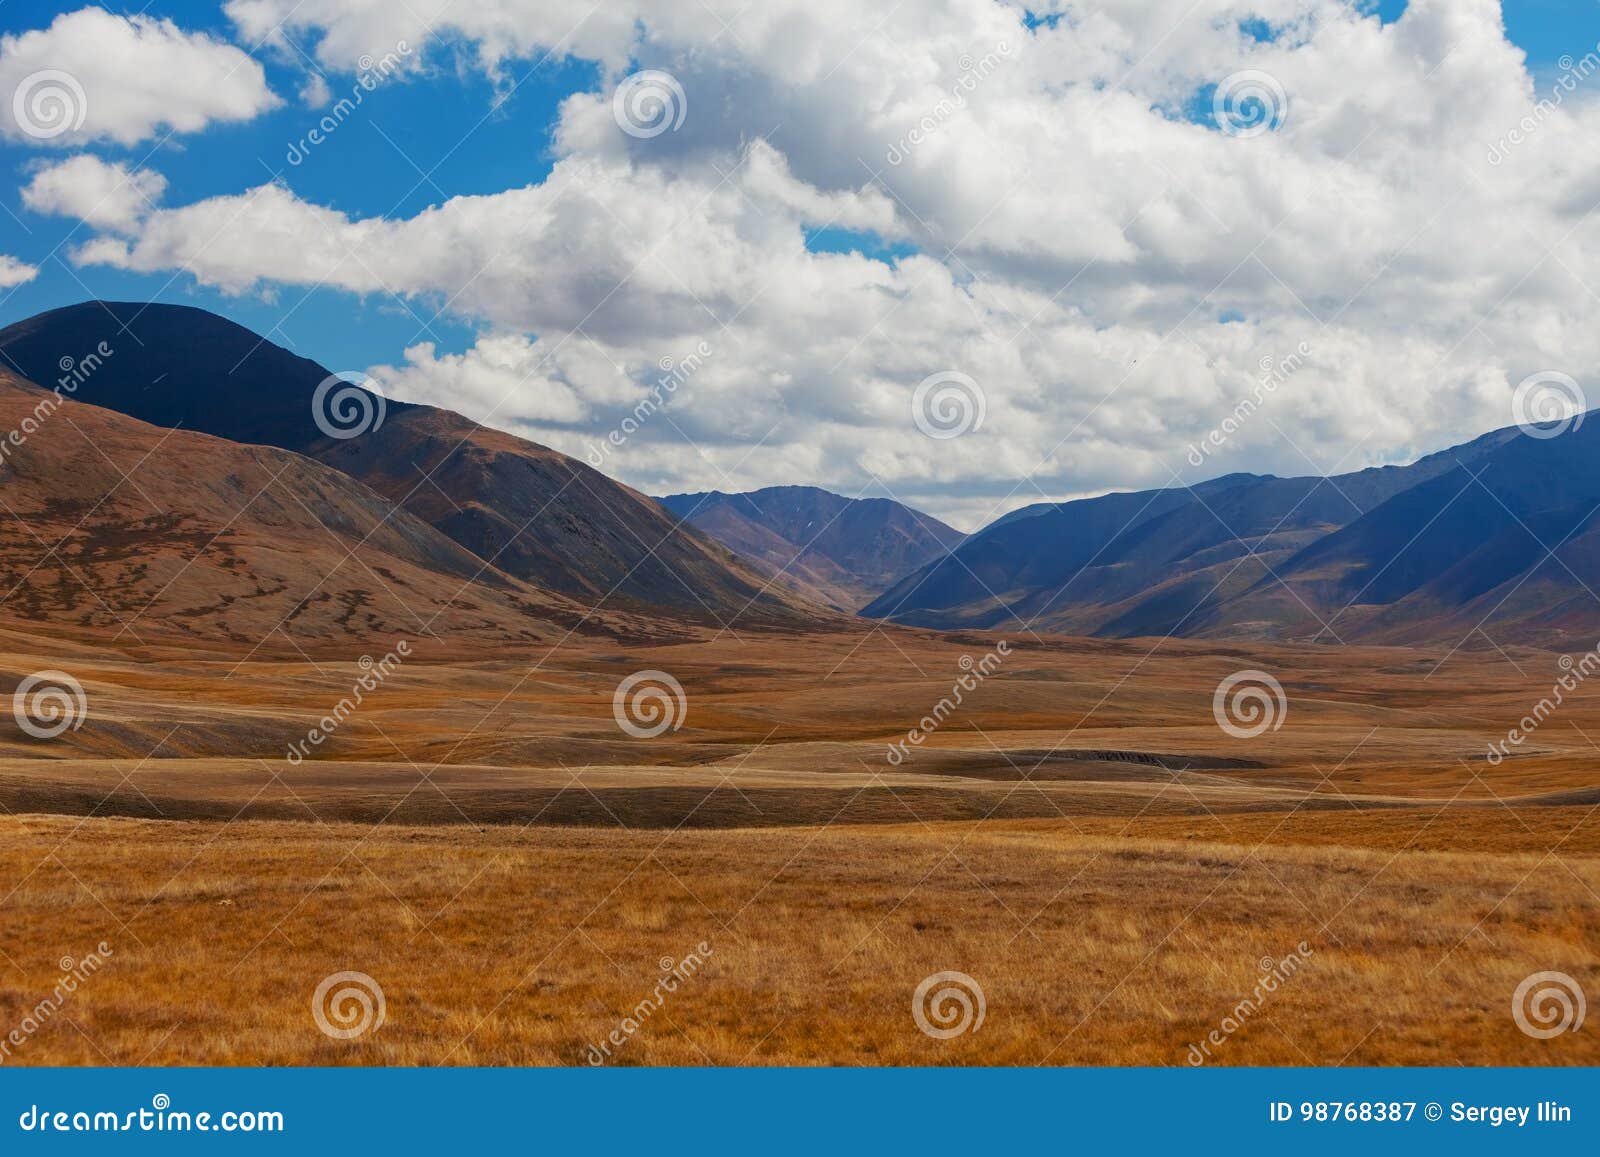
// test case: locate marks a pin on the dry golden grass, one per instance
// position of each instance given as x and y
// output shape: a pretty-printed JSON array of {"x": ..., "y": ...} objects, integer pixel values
[
  {"x": 529, "y": 946},
  {"x": 483, "y": 841}
]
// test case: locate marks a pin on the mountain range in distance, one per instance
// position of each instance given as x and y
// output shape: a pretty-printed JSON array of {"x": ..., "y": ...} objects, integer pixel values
[
  {"x": 1497, "y": 536},
  {"x": 262, "y": 515},
  {"x": 839, "y": 551}
]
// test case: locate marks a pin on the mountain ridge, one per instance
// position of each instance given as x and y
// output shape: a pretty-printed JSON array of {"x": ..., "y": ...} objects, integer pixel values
[
  {"x": 538, "y": 515},
  {"x": 129, "y": 529},
  {"x": 836, "y": 549},
  {"x": 1245, "y": 556}
]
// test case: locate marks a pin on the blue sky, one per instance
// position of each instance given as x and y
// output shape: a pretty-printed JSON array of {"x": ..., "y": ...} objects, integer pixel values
[
  {"x": 1081, "y": 237},
  {"x": 403, "y": 151},
  {"x": 406, "y": 148}
]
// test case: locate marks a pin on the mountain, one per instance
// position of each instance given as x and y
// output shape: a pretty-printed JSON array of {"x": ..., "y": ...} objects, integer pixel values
[
  {"x": 837, "y": 550},
  {"x": 536, "y": 515},
  {"x": 1507, "y": 543},
  {"x": 1497, "y": 530},
  {"x": 118, "y": 527}
]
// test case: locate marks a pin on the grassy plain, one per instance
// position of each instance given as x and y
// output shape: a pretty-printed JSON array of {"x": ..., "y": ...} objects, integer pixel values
[{"x": 1110, "y": 867}]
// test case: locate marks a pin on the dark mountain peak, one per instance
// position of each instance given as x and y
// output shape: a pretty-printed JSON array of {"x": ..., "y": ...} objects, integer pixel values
[{"x": 175, "y": 366}]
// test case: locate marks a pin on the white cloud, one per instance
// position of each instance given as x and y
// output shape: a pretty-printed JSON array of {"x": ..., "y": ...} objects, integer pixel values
[
  {"x": 315, "y": 92},
  {"x": 1081, "y": 242},
  {"x": 501, "y": 32},
  {"x": 14, "y": 272},
  {"x": 94, "y": 76},
  {"x": 502, "y": 373},
  {"x": 106, "y": 195}
]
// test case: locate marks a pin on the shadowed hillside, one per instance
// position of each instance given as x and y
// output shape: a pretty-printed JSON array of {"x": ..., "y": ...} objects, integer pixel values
[
  {"x": 536, "y": 514},
  {"x": 117, "y": 526},
  {"x": 1497, "y": 532}
]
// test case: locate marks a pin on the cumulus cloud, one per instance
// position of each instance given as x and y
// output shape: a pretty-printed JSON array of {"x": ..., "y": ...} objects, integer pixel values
[
  {"x": 14, "y": 272},
  {"x": 501, "y": 373},
  {"x": 499, "y": 33},
  {"x": 1110, "y": 268},
  {"x": 103, "y": 194},
  {"x": 92, "y": 75}
]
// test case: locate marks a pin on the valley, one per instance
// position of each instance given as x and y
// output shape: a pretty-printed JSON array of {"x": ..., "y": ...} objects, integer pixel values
[
  {"x": 483, "y": 838},
  {"x": 450, "y": 712}
]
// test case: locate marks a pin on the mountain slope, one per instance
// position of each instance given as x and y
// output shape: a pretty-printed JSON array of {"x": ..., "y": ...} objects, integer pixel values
[
  {"x": 1507, "y": 541},
  {"x": 843, "y": 551},
  {"x": 119, "y": 527},
  {"x": 538, "y": 515},
  {"x": 1246, "y": 555}
]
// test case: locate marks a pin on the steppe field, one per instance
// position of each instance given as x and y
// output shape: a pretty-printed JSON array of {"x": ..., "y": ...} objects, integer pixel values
[{"x": 513, "y": 874}]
